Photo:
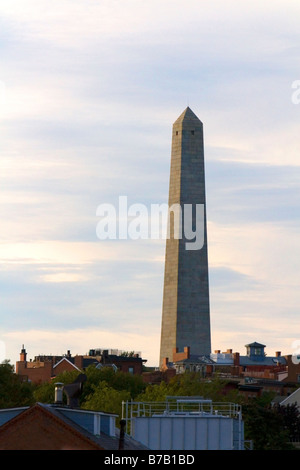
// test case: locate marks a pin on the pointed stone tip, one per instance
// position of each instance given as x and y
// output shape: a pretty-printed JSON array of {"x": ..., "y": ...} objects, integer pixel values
[{"x": 187, "y": 114}]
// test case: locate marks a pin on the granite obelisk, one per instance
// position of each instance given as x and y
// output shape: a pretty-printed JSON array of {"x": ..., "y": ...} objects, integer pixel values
[{"x": 186, "y": 309}]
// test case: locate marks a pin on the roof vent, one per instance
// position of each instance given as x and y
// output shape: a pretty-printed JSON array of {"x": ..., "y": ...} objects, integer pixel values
[
  {"x": 74, "y": 390},
  {"x": 59, "y": 390}
]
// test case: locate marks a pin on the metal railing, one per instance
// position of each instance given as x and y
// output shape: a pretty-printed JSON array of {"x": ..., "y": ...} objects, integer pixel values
[{"x": 178, "y": 406}]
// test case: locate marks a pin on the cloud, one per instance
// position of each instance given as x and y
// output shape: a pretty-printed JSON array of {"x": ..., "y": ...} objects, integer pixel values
[
  {"x": 89, "y": 92},
  {"x": 80, "y": 341},
  {"x": 253, "y": 192},
  {"x": 224, "y": 279}
]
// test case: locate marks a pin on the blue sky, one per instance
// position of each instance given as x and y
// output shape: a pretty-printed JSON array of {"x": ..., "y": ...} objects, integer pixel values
[{"x": 89, "y": 92}]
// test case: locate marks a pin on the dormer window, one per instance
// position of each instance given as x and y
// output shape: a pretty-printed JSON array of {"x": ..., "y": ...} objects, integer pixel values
[{"x": 255, "y": 350}]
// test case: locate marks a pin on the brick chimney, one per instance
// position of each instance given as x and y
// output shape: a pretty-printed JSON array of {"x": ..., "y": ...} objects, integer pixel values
[
  {"x": 21, "y": 365},
  {"x": 23, "y": 354},
  {"x": 180, "y": 356},
  {"x": 165, "y": 362},
  {"x": 236, "y": 359}
]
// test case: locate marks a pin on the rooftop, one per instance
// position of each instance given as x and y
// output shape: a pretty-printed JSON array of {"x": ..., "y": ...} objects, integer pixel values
[{"x": 51, "y": 426}]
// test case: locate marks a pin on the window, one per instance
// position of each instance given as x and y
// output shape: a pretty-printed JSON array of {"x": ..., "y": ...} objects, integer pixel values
[
  {"x": 130, "y": 370},
  {"x": 176, "y": 132},
  {"x": 193, "y": 132}
]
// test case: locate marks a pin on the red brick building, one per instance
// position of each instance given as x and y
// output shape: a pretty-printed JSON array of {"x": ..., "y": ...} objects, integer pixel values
[
  {"x": 251, "y": 373},
  {"x": 50, "y": 427},
  {"x": 37, "y": 428},
  {"x": 131, "y": 363},
  {"x": 44, "y": 368}
]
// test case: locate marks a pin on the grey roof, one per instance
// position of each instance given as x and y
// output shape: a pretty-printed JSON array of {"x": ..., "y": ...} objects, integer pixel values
[
  {"x": 103, "y": 440},
  {"x": 256, "y": 345},
  {"x": 244, "y": 361},
  {"x": 130, "y": 443},
  {"x": 55, "y": 411},
  {"x": 196, "y": 359},
  {"x": 263, "y": 361},
  {"x": 86, "y": 361}
]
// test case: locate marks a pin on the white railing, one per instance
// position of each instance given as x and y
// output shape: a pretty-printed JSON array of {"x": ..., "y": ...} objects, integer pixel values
[{"x": 175, "y": 406}]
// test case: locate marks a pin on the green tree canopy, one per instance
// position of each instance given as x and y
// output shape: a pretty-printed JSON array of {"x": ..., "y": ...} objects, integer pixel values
[
  {"x": 117, "y": 380},
  {"x": 106, "y": 398},
  {"x": 190, "y": 384},
  {"x": 45, "y": 392},
  {"x": 13, "y": 392},
  {"x": 265, "y": 427}
]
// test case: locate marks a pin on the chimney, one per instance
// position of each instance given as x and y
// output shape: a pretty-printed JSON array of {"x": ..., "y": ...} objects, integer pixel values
[
  {"x": 186, "y": 350},
  {"x": 165, "y": 362},
  {"x": 278, "y": 353},
  {"x": 122, "y": 434},
  {"x": 59, "y": 390},
  {"x": 236, "y": 359},
  {"x": 23, "y": 354}
]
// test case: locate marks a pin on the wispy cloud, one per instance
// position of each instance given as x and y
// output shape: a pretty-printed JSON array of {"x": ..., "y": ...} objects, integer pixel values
[{"x": 89, "y": 94}]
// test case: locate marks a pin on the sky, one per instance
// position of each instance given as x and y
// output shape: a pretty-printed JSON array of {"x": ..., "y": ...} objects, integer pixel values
[{"x": 89, "y": 91}]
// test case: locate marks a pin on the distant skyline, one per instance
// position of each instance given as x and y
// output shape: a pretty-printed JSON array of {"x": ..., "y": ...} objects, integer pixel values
[{"x": 89, "y": 92}]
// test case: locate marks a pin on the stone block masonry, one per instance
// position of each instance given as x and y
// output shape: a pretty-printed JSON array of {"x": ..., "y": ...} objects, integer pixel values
[{"x": 186, "y": 311}]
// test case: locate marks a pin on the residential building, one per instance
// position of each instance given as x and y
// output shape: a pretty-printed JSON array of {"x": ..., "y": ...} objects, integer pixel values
[
  {"x": 44, "y": 368},
  {"x": 56, "y": 427},
  {"x": 124, "y": 361},
  {"x": 251, "y": 373}
]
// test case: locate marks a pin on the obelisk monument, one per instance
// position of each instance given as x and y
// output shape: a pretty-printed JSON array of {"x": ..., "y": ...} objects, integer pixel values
[{"x": 186, "y": 310}]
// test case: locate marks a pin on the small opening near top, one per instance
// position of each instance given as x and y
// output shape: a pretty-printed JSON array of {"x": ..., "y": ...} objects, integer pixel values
[{"x": 176, "y": 132}]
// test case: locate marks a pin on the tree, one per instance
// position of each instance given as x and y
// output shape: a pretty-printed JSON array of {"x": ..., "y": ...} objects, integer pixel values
[
  {"x": 291, "y": 420},
  {"x": 190, "y": 384},
  {"x": 127, "y": 354},
  {"x": 117, "y": 380},
  {"x": 105, "y": 389},
  {"x": 13, "y": 392},
  {"x": 264, "y": 426},
  {"x": 45, "y": 392},
  {"x": 106, "y": 398},
  {"x": 154, "y": 393}
]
